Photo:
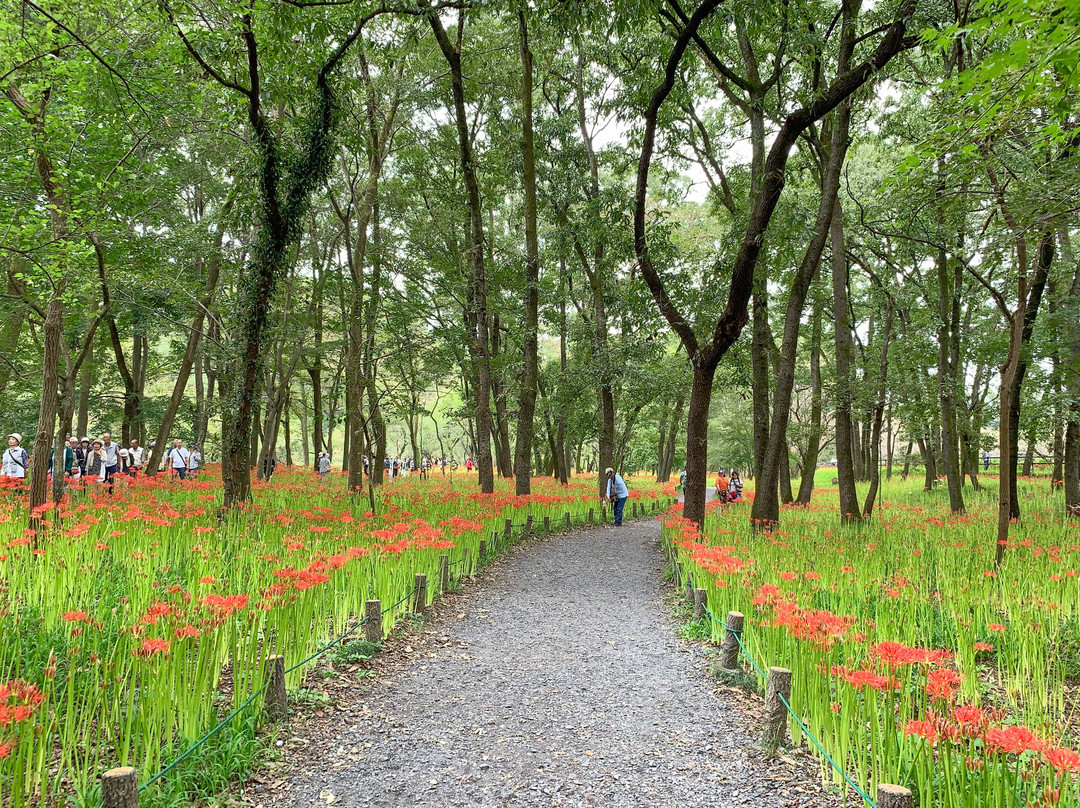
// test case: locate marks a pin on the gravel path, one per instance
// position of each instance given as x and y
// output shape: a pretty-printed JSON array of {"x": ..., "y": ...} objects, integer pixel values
[{"x": 558, "y": 681}]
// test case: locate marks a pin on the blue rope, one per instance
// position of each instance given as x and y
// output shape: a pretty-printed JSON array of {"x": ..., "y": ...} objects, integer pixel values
[{"x": 798, "y": 720}]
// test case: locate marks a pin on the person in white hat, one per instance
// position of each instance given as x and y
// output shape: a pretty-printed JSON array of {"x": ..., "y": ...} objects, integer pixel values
[
  {"x": 16, "y": 460},
  {"x": 324, "y": 465}
]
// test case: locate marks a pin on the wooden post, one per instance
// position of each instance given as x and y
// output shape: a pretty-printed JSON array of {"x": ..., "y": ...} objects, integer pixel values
[
  {"x": 276, "y": 702},
  {"x": 465, "y": 566},
  {"x": 120, "y": 788},
  {"x": 890, "y": 796},
  {"x": 494, "y": 541},
  {"x": 603, "y": 513},
  {"x": 568, "y": 520},
  {"x": 689, "y": 589},
  {"x": 444, "y": 571},
  {"x": 699, "y": 604},
  {"x": 507, "y": 527},
  {"x": 633, "y": 509},
  {"x": 483, "y": 549},
  {"x": 421, "y": 593},
  {"x": 373, "y": 616},
  {"x": 547, "y": 524},
  {"x": 776, "y": 725},
  {"x": 729, "y": 651},
  {"x": 592, "y": 515},
  {"x": 528, "y": 524}
]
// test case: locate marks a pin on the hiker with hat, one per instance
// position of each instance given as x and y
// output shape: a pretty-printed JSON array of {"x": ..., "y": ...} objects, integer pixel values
[
  {"x": 69, "y": 458},
  {"x": 324, "y": 465},
  {"x": 16, "y": 460},
  {"x": 96, "y": 461},
  {"x": 617, "y": 492},
  {"x": 196, "y": 458}
]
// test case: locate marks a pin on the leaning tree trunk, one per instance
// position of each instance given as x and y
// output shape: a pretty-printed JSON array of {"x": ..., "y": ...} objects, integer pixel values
[{"x": 697, "y": 442}]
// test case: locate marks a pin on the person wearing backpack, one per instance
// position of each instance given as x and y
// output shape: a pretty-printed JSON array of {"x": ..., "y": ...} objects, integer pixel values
[
  {"x": 16, "y": 460},
  {"x": 178, "y": 459}
]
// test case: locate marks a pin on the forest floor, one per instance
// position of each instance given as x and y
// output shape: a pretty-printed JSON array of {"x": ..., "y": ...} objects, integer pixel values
[{"x": 559, "y": 680}]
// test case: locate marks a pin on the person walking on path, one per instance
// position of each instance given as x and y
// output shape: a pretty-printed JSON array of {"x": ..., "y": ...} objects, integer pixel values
[
  {"x": 682, "y": 480},
  {"x": 179, "y": 459},
  {"x": 16, "y": 460},
  {"x": 721, "y": 487},
  {"x": 617, "y": 492},
  {"x": 324, "y": 466},
  {"x": 112, "y": 455},
  {"x": 82, "y": 454},
  {"x": 196, "y": 459}
]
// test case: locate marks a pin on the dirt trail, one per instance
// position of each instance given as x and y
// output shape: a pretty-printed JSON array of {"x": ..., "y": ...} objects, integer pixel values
[{"x": 558, "y": 681}]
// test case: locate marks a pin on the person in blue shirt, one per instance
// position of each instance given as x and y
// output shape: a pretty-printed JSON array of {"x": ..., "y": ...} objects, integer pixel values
[{"x": 617, "y": 492}]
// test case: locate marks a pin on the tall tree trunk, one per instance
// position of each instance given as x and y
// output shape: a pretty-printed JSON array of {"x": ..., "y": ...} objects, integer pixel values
[
  {"x": 501, "y": 434},
  {"x": 879, "y": 411},
  {"x": 527, "y": 400},
  {"x": 845, "y": 469},
  {"x": 813, "y": 441},
  {"x": 764, "y": 490},
  {"x": 1071, "y": 447},
  {"x": 948, "y": 332},
  {"x": 478, "y": 336}
]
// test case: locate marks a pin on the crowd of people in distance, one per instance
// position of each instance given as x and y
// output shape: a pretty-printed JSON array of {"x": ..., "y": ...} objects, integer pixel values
[{"x": 101, "y": 459}]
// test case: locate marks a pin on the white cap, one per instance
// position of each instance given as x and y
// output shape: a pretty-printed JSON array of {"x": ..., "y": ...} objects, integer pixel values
[
  {"x": 84, "y": 439},
  {"x": 15, "y": 435},
  {"x": 609, "y": 471},
  {"x": 123, "y": 453}
]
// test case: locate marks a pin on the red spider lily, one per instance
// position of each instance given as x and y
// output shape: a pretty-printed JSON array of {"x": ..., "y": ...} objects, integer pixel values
[
  {"x": 995, "y": 627},
  {"x": 225, "y": 605},
  {"x": 972, "y": 721},
  {"x": 923, "y": 729},
  {"x": 1013, "y": 739},
  {"x": 982, "y": 646},
  {"x": 864, "y": 678},
  {"x": 184, "y": 632},
  {"x": 942, "y": 683},
  {"x": 1063, "y": 760},
  {"x": 152, "y": 647},
  {"x": 76, "y": 617}
]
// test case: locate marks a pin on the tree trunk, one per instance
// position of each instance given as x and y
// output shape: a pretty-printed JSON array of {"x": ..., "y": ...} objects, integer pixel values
[
  {"x": 948, "y": 332},
  {"x": 478, "y": 336},
  {"x": 878, "y": 412},
  {"x": 813, "y": 442},
  {"x": 527, "y": 400},
  {"x": 697, "y": 443},
  {"x": 47, "y": 410},
  {"x": 501, "y": 434},
  {"x": 845, "y": 469},
  {"x": 764, "y": 490}
]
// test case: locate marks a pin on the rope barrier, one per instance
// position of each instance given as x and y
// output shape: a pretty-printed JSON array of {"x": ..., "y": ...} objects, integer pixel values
[
  {"x": 262, "y": 689},
  {"x": 798, "y": 720}
]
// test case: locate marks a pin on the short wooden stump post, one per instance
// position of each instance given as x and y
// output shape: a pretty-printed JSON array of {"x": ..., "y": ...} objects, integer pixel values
[
  {"x": 776, "y": 725},
  {"x": 699, "y": 603},
  {"x": 890, "y": 796},
  {"x": 507, "y": 527},
  {"x": 373, "y": 616},
  {"x": 466, "y": 564},
  {"x": 276, "y": 702},
  {"x": 420, "y": 602},
  {"x": 633, "y": 509},
  {"x": 120, "y": 788},
  {"x": 483, "y": 549},
  {"x": 547, "y": 524},
  {"x": 444, "y": 571},
  {"x": 729, "y": 651},
  {"x": 689, "y": 590},
  {"x": 529, "y": 524},
  {"x": 603, "y": 513},
  {"x": 568, "y": 520},
  {"x": 494, "y": 540}
]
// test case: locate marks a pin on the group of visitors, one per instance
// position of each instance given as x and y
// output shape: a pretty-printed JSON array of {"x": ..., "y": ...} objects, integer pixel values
[
  {"x": 101, "y": 459},
  {"x": 729, "y": 489}
]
